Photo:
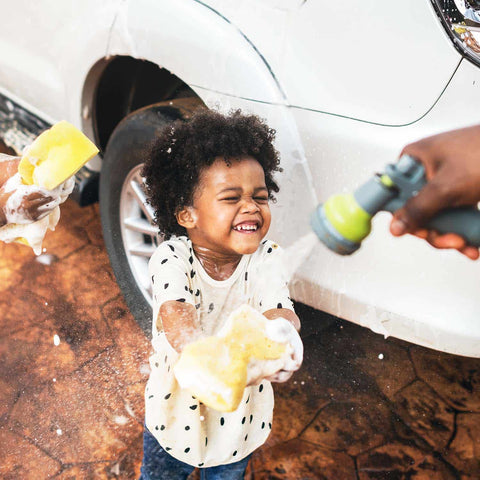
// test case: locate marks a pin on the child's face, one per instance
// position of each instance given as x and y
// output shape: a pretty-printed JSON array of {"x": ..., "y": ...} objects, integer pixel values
[{"x": 230, "y": 213}]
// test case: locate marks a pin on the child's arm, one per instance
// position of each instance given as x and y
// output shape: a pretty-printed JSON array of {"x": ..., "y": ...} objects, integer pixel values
[
  {"x": 286, "y": 334},
  {"x": 174, "y": 303},
  {"x": 286, "y": 313},
  {"x": 179, "y": 322}
]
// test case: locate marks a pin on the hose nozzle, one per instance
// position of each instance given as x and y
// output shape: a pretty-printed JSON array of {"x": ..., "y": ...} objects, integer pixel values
[
  {"x": 341, "y": 224},
  {"x": 343, "y": 221}
]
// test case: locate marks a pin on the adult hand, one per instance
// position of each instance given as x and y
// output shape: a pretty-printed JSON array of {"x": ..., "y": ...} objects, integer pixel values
[
  {"x": 25, "y": 204},
  {"x": 32, "y": 207},
  {"x": 452, "y": 168}
]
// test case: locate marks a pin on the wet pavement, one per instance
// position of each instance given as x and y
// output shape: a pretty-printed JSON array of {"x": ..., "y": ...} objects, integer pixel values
[{"x": 73, "y": 366}]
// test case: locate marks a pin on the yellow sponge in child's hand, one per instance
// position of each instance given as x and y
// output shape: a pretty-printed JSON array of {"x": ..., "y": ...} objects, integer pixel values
[
  {"x": 55, "y": 155},
  {"x": 215, "y": 369}
]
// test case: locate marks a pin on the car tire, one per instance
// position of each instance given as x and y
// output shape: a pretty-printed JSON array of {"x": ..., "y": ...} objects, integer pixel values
[{"x": 121, "y": 166}]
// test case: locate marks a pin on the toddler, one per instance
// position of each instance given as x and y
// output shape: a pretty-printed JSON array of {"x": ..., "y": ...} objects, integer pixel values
[{"x": 210, "y": 180}]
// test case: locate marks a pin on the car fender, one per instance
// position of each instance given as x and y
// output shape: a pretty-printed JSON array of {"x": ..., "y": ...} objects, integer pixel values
[
  {"x": 216, "y": 60},
  {"x": 197, "y": 44}
]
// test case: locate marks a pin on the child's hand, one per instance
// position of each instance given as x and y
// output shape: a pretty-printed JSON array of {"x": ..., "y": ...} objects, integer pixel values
[{"x": 282, "y": 331}]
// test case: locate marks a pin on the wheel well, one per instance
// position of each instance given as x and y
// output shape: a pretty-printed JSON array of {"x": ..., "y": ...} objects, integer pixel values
[{"x": 126, "y": 84}]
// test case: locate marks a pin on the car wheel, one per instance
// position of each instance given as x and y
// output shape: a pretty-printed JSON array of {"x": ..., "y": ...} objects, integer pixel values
[{"x": 127, "y": 220}]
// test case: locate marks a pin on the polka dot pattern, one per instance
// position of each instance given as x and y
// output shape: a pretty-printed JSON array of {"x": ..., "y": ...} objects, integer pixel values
[{"x": 182, "y": 422}]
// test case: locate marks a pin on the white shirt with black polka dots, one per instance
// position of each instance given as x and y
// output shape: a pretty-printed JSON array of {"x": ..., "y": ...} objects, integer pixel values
[{"x": 184, "y": 427}]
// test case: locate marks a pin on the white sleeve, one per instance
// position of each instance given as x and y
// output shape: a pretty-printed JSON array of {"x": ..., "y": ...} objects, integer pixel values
[
  {"x": 169, "y": 276},
  {"x": 271, "y": 282}
]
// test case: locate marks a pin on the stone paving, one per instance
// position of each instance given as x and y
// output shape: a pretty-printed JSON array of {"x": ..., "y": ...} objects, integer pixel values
[{"x": 75, "y": 410}]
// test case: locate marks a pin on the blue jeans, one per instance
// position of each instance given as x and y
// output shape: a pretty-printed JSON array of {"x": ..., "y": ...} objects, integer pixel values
[{"x": 157, "y": 464}]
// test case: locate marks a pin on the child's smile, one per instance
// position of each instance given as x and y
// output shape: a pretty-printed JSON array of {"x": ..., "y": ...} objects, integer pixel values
[
  {"x": 230, "y": 213},
  {"x": 246, "y": 227}
]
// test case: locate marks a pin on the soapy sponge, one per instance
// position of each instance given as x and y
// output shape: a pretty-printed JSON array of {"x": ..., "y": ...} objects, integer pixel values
[
  {"x": 55, "y": 155},
  {"x": 217, "y": 369}
]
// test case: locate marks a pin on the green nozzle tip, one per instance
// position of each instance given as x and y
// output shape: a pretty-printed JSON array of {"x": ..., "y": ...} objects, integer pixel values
[{"x": 347, "y": 217}]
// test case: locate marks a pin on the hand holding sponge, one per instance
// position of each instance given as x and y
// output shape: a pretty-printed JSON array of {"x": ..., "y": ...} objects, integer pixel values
[
  {"x": 217, "y": 369},
  {"x": 45, "y": 169}
]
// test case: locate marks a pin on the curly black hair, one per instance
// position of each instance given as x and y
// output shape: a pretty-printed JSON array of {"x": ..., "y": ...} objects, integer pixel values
[{"x": 183, "y": 149}]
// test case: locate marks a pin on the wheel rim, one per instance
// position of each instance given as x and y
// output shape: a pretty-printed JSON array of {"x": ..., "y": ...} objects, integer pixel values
[{"x": 139, "y": 235}]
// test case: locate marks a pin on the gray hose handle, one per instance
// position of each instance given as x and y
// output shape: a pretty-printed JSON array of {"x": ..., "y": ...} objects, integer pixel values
[
  {"x": 463, "y": 221},
  {"x": 408, "y": 176}
]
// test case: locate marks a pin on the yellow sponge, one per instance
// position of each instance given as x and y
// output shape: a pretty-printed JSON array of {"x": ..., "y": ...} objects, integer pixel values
[
  {"x": 56, "y": 155},
  {"x": 53, "y": 157},
  {"x": 215, "y": 369}
]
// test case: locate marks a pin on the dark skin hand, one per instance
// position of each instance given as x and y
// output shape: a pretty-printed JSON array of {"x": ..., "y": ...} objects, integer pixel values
[
  {"x": 30, "y": 203},
  {"x": 452, "y": 168}
]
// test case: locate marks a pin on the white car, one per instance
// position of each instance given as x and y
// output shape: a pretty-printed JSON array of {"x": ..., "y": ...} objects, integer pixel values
[{"x": 346, "y": 85}]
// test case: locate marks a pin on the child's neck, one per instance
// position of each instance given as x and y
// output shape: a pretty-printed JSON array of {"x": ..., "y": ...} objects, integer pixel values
[{"x": 219, "y": 266}]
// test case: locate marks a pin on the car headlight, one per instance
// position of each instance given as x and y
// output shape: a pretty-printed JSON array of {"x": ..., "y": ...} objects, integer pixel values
[{"x": 461, "y": 19}]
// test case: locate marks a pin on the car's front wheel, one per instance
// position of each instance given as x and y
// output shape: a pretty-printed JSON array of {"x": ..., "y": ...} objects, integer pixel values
[{"x": 127, "y": 220}]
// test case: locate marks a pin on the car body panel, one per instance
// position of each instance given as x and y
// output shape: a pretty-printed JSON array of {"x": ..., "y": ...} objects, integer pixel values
[
  {"x": 198, "y": 45},
  {"x": 366, "y": 60},
  {"x": 47, "y": 49}
]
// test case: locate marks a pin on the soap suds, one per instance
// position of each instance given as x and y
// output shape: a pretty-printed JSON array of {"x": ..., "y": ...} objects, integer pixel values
[
  {"x": 214, "y": 368},
  {"x": 20, "y": 224}
]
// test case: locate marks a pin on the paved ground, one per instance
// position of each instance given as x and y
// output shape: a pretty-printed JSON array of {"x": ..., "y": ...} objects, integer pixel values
[{"x": 75, "y": 410}]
